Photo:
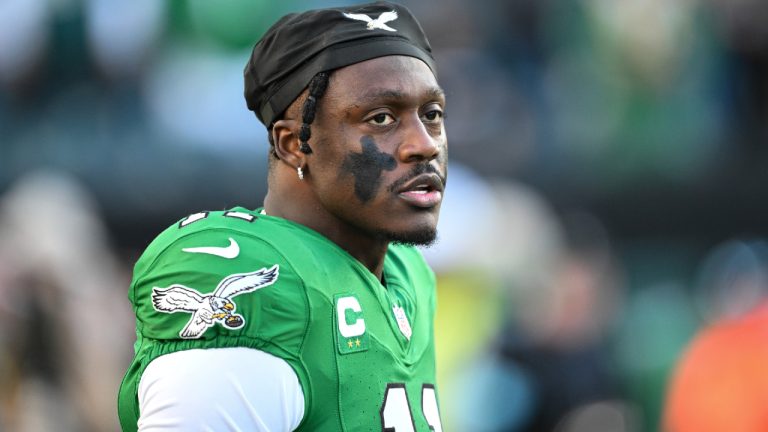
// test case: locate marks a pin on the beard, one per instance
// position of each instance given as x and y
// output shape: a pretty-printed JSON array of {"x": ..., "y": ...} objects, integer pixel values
[{"x": 424, "y": 237}]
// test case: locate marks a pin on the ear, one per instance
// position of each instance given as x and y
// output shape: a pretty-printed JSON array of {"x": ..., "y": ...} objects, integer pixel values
[{"x": 285, "y": 134}]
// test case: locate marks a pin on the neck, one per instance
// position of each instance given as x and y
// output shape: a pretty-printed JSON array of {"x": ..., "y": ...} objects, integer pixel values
[{"x": 370, "y": 251}]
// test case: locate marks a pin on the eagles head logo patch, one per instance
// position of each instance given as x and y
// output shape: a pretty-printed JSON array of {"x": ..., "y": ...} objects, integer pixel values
[
  {"x": 218, "y": 306},
  {"x": 373, "y": 24}
]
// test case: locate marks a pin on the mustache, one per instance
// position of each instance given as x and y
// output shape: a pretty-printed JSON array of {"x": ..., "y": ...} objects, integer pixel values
[{"x": 417, "y": 170}]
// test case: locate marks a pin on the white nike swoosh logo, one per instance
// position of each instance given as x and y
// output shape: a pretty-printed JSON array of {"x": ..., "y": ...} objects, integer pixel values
[{"x": 229, "y": 252}]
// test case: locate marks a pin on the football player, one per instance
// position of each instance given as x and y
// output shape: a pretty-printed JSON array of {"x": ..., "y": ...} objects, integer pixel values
[{"x": 315, "y": 312}]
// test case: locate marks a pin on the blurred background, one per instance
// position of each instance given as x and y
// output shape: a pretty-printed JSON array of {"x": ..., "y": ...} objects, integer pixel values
[{"x": 606, "y": 197}]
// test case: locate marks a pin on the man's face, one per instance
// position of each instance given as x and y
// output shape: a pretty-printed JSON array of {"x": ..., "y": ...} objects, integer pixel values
[{"x": 380, "y": 151}]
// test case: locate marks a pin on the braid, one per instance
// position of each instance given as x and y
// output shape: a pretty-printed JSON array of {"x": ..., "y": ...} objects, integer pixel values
[{"x": 317, "y": 88}]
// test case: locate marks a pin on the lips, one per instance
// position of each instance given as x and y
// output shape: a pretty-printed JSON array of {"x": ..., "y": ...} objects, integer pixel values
[{"x": 425, "y": 190}]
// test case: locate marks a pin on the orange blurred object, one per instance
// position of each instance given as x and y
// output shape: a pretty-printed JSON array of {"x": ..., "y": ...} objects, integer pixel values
[{"x": 721, "y": 383}]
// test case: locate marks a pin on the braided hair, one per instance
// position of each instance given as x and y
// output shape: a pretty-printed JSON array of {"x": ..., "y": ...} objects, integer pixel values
[{"x": 317, "y": 87}]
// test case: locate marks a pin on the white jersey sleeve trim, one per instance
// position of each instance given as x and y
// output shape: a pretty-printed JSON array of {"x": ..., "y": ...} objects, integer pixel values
[{"x": 235, "y": 389}]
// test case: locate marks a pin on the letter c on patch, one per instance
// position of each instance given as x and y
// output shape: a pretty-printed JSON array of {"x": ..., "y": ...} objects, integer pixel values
[{"x": 346, "y": 329}]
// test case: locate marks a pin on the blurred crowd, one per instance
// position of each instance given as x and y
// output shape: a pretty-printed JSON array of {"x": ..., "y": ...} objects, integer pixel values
[{"x": 605, "y": 201}]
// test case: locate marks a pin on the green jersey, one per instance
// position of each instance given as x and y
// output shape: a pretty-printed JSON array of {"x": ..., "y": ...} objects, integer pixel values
[{"x": 363, "y": 352}]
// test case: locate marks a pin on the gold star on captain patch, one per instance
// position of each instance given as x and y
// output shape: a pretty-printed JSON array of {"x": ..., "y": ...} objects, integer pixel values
[
  {"x": 357, "y": 342},
  {"x": 349, "y": 343}
]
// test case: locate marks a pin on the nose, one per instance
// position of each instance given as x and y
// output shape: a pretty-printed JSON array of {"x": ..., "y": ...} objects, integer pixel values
[{"x": 418, "y": 143}]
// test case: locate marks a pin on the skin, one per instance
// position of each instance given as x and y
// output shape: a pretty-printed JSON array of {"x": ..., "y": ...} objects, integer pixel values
[{"x": 378, "y": 126}]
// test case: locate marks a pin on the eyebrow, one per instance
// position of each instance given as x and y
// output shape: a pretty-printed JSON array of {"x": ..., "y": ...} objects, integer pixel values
[{"x": 378, "y": 94}]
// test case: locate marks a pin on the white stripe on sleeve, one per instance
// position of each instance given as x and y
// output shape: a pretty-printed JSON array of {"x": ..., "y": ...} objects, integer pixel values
[{"x": 222, "y": 389}]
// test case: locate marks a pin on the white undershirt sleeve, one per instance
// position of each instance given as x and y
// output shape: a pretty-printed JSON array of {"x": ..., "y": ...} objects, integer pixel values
[{"x": 222, "y": 389}]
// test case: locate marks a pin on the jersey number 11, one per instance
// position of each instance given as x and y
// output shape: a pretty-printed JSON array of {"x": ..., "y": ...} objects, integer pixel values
[{"x": 396, "y": 412}]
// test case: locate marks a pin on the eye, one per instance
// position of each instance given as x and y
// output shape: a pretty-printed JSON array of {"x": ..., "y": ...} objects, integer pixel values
[
  {"x": 433, "y": 116},
  {"x": 381, "y": 119}
]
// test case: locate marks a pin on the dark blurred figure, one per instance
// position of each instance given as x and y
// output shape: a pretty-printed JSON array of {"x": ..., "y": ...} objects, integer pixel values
[
  {"x": 742, "y": 26},
  {"x": 560, "y": 342},
  {"x": 64, "y": 324},
  {"x": 565, "y": 350}
]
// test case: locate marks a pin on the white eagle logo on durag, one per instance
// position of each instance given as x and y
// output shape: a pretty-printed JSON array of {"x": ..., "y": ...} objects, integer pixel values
[
  {"x": 378, "y": 23},
  {"x": 210, "y": 308}
]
